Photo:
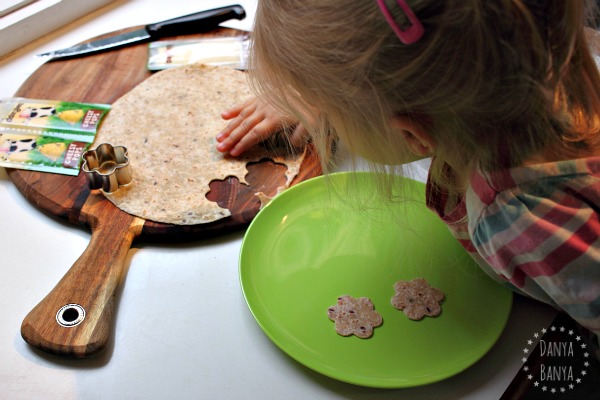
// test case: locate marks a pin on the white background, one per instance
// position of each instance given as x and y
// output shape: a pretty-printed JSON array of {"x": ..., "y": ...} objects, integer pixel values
[{"x": 182, "y": 328}]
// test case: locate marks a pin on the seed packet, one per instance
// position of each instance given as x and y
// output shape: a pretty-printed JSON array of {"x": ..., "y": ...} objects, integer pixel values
[
  {"x": 46, "y": 135},
  {"x": 223, "y": 51}
]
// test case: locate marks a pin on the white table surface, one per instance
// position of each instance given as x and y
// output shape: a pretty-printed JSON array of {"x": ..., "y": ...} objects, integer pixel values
[{"x": 182, "y": 327}]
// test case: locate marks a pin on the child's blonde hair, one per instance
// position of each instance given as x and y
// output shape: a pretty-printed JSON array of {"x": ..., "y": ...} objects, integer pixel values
[{"x": 495, "y": 82}]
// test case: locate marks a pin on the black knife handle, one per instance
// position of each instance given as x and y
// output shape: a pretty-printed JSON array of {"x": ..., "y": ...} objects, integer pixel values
[{"x": 195, "y": 23}]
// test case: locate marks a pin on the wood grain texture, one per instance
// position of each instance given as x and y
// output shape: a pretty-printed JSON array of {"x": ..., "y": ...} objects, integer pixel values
[
  {"x": 90, "y": 283},
  {"x": 92, "y": 280}
]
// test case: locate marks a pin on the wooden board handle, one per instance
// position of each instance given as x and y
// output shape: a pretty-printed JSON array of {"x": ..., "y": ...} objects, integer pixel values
[{"x": 75, "y": 318}]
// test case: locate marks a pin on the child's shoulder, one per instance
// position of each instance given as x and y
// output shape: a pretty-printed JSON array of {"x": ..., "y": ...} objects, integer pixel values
[{"x": 543, "y": 180}]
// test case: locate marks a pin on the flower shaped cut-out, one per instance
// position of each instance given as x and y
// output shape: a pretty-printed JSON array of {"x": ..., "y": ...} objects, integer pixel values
[
  {"x": 417, "y": 299},
  {"x": 354, "y": 316}
]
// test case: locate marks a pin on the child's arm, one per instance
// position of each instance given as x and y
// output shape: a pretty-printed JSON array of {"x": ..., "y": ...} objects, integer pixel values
[{"x": 253, "y": 122}]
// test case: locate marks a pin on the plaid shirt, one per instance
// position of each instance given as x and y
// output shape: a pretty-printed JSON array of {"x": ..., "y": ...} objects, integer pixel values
[{"x": 536, "y": 229}]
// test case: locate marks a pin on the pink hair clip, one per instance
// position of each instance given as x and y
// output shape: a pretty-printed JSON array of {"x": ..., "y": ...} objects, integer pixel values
[{"x": 409, "y": 35}]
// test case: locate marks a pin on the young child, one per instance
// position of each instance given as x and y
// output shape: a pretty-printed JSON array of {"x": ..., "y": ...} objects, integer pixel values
[{"x": 504, "y": 95}]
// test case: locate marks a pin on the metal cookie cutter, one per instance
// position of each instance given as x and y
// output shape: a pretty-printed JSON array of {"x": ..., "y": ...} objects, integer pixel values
[{"x": 107, "y": 167}]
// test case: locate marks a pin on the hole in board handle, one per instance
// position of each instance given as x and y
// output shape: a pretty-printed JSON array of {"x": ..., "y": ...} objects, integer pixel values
[{"x": 70, "y": 315}]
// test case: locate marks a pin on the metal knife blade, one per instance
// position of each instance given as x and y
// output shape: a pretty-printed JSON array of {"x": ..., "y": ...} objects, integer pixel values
[{"x": 193, "y": 23}]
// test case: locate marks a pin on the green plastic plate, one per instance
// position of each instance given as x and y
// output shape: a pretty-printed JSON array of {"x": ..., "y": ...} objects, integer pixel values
[{"x": 330, "y": 236}]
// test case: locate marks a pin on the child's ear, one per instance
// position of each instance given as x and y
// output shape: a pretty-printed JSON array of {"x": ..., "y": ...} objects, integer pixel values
[{"x": 417, "y": 137}]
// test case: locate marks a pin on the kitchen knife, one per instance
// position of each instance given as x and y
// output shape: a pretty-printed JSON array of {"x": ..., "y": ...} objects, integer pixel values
[{"x": 193, "y": 23}]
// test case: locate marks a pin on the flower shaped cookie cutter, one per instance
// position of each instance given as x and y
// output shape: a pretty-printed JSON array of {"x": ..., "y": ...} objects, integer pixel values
[{"x": 107, "y": 167}]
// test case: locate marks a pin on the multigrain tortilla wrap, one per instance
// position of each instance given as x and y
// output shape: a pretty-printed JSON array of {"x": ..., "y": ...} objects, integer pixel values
[{"x": 169, "y": 123}]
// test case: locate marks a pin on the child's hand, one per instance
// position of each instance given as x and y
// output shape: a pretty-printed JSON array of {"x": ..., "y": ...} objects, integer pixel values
[{"x": 253, "y": 122}]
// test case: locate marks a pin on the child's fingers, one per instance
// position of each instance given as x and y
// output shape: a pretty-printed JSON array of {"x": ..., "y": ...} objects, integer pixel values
[
  {"x": 251, "y": 123},
  {"x": 245, "y": 108},
  {"x": 258, "y": 133},
  {"x": 237, "y": 130},
  {"x": 244, "y": 124},
  {"x": 239, "y": 124}
]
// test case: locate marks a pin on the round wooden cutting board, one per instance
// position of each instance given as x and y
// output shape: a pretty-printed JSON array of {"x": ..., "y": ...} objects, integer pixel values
[{"x": 75, "y": 318}]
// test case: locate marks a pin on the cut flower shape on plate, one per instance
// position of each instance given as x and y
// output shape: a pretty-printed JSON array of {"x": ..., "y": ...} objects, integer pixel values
[
  {"x": 354, "y": 316},
  {"x": 417, "y": 299}
]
